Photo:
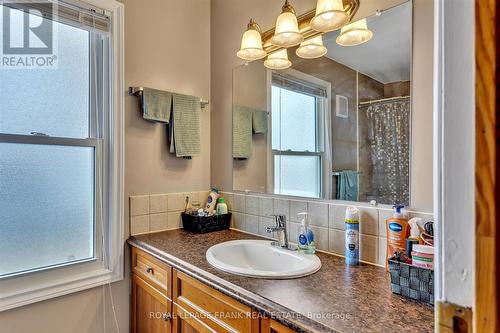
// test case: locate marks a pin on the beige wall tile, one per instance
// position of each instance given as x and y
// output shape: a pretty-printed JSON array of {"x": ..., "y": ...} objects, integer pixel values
[
  {"x": 336, "y": 241},
  {"x": 252, "y": 224},
  {"x": 336, "y": 216},
  {"x": 176, "y": 202},
  {"x": 239, "y": 203},
  {"x": 318, "y": 213},
  {"x": 293, "y": 232},
  {"x": 239, "y": 221},
  {"x": 252, "y": 205},
  {"x": 266, "y": 206},
  {"x": 382, "y": 250},
  {"x": 139, "y": 224},
  {"x": 297, "y": 206},
  {"x": 174, "y": 220},
  {"x": 368, "y": 221},
  {"x": 383, "y": 215},
  {"x": 139, "y": 205},
  {"x": 158, "y": 222},
  {"x": 368, "y": 248},
  {"x": 263, "y": 223},
  {"x": 282, "y": 207},
  {"x": 320, "y": 237},
  {"x": 158, "y": 203},
  {"x": 193, "y": 196}
]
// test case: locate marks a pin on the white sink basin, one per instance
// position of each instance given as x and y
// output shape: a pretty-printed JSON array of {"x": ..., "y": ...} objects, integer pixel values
[{"x": 258, "y": 258}]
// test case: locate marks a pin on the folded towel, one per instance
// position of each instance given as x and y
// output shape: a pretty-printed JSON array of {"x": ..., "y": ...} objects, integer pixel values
[
  {"x": 242, "y": 132},
  {"x": 347, "y": 185},
  {"x": 185, "y": 130},
  {"x": 259, "y": 121},
  {"x": 156, "y": 105}
]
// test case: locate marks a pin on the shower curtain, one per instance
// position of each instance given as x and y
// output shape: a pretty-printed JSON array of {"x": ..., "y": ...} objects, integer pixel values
[{"x": 389, "y": 140}]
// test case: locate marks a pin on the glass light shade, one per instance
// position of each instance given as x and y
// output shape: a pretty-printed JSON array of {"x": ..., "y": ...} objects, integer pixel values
[
  {"x": 278, "y": 60},
  {"x": 287, "y": 30},
  {"x": 251, "y": 46},
  {"x": 354, "y": 34},
  {"x": 330, "y": 15},
  {"x": 312, "y": 48}
]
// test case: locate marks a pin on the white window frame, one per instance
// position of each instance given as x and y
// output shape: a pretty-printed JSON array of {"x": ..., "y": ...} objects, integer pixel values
[
  {"x": 35, "y": 286},
  {"x": 324, "y": 133}
]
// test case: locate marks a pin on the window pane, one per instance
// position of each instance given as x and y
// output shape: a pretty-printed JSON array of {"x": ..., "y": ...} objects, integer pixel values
[
  {"x": 54, "y": 101},
  {"x": 46, "y": 205},
  {"x": 296, "y": 119},
  {"x": 297, "y": 175}
]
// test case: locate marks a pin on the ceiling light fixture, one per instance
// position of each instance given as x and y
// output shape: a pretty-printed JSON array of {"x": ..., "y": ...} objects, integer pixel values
[
  {"x": 287, "y": 28},
  {"x": 330, "y": 15},
  {"x": 278, "y": 60},
  {"x": 251, "y": 43},
  {"x": 312, "y": 48},
  {"x": 354, "y": 34}
]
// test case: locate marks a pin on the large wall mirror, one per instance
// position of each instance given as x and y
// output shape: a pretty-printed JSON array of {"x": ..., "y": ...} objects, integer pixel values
[{"x": 335, "y": 127}]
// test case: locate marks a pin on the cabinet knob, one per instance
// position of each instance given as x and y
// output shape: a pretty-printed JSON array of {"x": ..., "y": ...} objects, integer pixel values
[
  {"x": 149, "y": 270},
  {"x": 166, "y": 316}
]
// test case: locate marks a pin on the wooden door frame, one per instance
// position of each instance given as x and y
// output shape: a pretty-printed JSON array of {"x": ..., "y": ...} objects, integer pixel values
[{"x": 487, "y": 258}]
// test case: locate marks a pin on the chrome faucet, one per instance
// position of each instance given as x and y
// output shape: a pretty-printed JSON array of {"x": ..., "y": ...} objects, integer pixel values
[{"x": 282, "y": 233}]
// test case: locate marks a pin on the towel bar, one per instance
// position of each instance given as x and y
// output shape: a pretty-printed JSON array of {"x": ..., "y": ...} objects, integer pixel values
[{"x": 135, "y": 91}]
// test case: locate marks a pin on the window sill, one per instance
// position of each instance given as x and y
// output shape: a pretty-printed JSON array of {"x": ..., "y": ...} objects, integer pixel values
[{"x": 43, "y": 291}]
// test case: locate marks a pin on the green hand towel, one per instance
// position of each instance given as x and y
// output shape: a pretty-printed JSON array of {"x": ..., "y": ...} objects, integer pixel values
[
  {"x": 156, "y": 105},
  {"x": 186, "y": 127},
  {"x": 242, "y": 132},
  {"x": 347, "y": 187},
  {"x": 259, "y": 121}
]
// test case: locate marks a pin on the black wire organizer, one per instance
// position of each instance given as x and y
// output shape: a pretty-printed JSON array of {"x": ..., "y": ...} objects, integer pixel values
[{"x": 204, "y": 224}]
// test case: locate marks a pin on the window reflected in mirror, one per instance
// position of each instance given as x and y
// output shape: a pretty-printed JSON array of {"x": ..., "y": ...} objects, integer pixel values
[{"x": 335, "y": 127}]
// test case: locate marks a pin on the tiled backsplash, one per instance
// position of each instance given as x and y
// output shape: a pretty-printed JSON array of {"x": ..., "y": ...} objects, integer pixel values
[
  {"x": 158, "y": 212},
  {"x": 252, "y": 214}
]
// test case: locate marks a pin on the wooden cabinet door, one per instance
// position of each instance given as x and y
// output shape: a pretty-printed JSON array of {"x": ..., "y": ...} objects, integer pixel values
[
  {"x": 151, "y": 310},
  {"x": 272, "y": 326}
]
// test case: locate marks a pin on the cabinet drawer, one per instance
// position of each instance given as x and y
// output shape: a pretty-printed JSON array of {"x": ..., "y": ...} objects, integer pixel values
[
  {"x": 215, "y": 310},
  {"x": 153, "y": 271}
]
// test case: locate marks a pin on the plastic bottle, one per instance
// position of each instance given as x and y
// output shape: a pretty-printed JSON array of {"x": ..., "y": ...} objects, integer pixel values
[
  {"x": 306, "y": 235},
  {"x": 351, "y": 235},
  {"x": 221, "y": 206},
  {"x": 212, "y": 200},
  {"x": 398, "y": 230}
]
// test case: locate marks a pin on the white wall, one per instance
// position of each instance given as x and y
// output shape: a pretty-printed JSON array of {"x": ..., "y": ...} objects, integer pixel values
[
  {"x": 229, "y": 19},
  {"x": 167, "y": 46}
]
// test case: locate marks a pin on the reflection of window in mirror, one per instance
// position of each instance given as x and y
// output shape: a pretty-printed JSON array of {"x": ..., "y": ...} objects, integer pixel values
[{"x": 300, "y": 109}]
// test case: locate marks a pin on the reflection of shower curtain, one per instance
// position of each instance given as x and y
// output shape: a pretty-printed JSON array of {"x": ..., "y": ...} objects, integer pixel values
[{"x": 389, "y": 138}]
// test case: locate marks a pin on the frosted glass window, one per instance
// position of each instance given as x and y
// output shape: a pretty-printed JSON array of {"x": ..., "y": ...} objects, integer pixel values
[
  {"x": 297, "y": 175},
  {"x": 51, "y": 101},
  {"x": 46, "y": 206},
  {"x": 294, "y": 120}
]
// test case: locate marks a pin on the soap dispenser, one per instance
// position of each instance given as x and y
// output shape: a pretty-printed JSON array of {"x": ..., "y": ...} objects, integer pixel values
[{"x": 306, "y": 235}]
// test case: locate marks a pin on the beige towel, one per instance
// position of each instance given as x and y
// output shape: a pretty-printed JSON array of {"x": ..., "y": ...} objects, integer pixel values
[
  {"x": 242, "y": 132},
  {"x": 186, "y": 125},
  {"x": 156, "y": 105},
  {"x": 259, "y": 121}
]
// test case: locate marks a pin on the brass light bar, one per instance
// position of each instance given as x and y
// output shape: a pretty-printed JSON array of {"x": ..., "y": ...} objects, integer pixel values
[{"x": 304, "y": 20}]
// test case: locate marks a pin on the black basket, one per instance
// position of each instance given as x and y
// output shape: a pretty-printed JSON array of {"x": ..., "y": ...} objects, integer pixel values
[
  {"x": 203, "y": 224},
  {"x": 412, "y": 282}
]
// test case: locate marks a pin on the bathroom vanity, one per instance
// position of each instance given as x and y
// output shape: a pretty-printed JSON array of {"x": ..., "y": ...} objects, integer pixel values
[{"x": 174, "y": 289}]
